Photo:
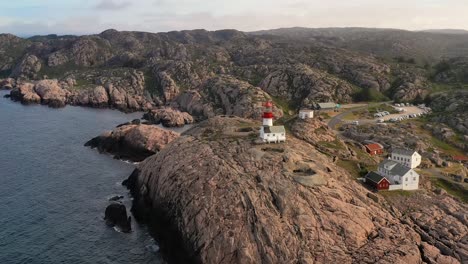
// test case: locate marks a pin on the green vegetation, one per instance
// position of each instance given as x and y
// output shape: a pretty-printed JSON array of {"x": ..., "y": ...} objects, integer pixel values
[
  {"x": 336, "y": 144},
  {"x": 59, "y": 71},
  {"x": 284, "y": 104},
  {"x": 396, "y": 193},
  {"x": 350, "y": 166},
  {"x": 151, "y": 85},
  {"x": 454, "y": 189},
  {"x": 5, "y": 73},
  {"x": 370, "y": 95}
]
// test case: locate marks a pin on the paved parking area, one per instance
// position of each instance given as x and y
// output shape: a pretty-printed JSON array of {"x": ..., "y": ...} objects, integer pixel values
[{"x": 409, "y": 110}]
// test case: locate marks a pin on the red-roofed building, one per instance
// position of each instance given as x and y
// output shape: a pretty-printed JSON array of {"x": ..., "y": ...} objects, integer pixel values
[
  {"x": 374, "y": 149},
  {"x": 460, "y": 158}
]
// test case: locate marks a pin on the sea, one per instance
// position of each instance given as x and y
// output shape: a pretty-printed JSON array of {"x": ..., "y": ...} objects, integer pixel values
[{"x": 54, "y": 191}]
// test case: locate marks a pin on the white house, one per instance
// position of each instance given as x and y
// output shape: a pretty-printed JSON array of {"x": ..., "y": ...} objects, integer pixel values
[
  {"x": 268, "y": 132},
  {"x": 306, "y": 114},
  {"x": 409, "y": 158},
  {"x": 273, "y": 134},
  {"x": 400, "y": 176}
]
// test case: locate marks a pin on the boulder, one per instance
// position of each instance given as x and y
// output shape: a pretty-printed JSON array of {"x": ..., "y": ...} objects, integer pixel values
[
  {"x": 26, "y": 94},
  {"x": 116, "y": 215},
  {"x": 51, "y": 93}
]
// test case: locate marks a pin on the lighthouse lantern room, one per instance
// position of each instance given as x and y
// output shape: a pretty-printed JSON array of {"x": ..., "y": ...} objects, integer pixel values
[
  {"x": 270, "y": 133},
  {"x": 268, "y": 114}
]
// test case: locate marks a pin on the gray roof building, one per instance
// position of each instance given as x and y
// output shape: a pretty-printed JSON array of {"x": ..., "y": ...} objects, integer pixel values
[
  {"x": 394, "y": 167},
  {"x": 274, "y": 129},
  {"x": 401, "y": 151},
  {"x": 374, "y": 177},
  {"x": 329, "y": 105}
]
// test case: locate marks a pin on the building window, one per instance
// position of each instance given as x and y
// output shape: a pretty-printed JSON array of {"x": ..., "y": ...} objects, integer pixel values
[
  {"x": 406, "y": 179},
  {"x": 414, "y": 178}
]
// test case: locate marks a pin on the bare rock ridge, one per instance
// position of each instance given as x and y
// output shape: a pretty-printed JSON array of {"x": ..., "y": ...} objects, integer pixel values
[
  {"x": 228, "y": 200},
  {"x": 133, "y": 142},
  {"x": 208, "y": 73}
]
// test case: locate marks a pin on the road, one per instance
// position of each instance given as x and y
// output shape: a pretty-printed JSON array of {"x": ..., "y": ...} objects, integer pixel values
[{"x": 338, "y": 118}]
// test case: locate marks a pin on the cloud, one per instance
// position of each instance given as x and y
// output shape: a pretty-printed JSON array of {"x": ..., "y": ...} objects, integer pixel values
[{"x": 112, "y": 5}]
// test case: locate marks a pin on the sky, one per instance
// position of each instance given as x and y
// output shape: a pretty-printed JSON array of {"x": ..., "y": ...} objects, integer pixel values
[{"x": 34, "y": 17}]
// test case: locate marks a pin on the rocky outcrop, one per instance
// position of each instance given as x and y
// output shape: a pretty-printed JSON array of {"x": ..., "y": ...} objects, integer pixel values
[
  {"x": 303, "y": 86},
  {"x": 168, "y": 117},
  {"x": 47, "y": 92},
  {"x": 27, "y": 68},
  {"x": 7, "y": 84},
  {"x": 51, "y": 93},
  {"x": 441, "y": 222},
  {"x": 231, "y": 201},
  {"x": 133, "y": 142},
  {"x": 313, "y": 131},
  {"x": 226, "y": 95},
  {"x": 25, "y": 93},
  {"x": 116, "y": 215}
]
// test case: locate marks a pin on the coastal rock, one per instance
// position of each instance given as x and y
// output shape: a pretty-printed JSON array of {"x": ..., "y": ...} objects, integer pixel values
[
  {"x": 7, "y": 84},
  {"x": 116, "y": 215},
  {"x": 169, "y": 117},
  {"x": 26, "y": 94},
  {"x": 133, "y": 142},
  {"x": 226, "y": 203},
  {"x": 51, "y": 93}
]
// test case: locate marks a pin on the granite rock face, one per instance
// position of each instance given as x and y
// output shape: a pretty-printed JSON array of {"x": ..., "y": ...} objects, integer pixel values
[
  {"x": 169, "y": 117},
  {"x": 133, "y": 142},
  {"x": 27, "y": 68},
  {"x": 231, "y": 201}
]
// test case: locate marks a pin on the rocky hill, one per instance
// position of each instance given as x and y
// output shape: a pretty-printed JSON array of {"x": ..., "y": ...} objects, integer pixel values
[
  {"x": 220, "y": 198},
  {"x": 296, "y": 67}
]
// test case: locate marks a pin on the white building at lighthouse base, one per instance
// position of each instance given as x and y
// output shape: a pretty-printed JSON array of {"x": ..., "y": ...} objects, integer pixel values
[{"x": 273, "y": 134}]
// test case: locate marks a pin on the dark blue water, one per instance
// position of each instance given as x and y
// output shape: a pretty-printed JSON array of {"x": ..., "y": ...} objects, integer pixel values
[{"x": 53, "y": 191}]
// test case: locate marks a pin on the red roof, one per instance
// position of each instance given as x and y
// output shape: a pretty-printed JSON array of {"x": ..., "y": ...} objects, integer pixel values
[
  {"x": 460, "y": 158},
  {"x": 268, "y": 104},
  {"x": 267, "y": 115},
  {"x": 374, "y": 147}
]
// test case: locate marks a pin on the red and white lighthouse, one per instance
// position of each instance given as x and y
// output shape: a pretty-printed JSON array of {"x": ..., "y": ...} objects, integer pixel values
[{"x": 268, "y": 114}]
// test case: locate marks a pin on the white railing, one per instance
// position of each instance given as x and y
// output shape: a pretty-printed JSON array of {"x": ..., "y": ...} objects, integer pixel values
[{"x": 395, "y": 187}]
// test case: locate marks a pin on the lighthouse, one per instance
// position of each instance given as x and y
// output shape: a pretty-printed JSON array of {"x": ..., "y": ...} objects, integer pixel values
[
  {"x": 268, "y": 132},
  {"x": 268, "y": 114}
]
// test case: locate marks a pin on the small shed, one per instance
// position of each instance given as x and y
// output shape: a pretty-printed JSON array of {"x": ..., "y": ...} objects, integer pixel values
[
  {"x": 306, "y": 114},
  {"x": 330, "y": 106},
  {"x": 377, "y": 181},
  {"x": 461, "y": 159},
  {"x": 374, "y": 149}
]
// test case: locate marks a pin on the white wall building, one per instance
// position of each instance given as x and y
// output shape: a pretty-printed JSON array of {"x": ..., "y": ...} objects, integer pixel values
[
  {"x": 306, "y": 114},
  {"x": 400, "y": 176},
  {"x": 268, "y": 132},
  {"x": 274, "y": 134},
  {"x": 409, "y": 158}
]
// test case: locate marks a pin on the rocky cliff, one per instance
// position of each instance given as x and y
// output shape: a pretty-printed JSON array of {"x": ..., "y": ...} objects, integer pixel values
[
  {"x": 228, "y": 200},
  {"x": 190, "y": 68}
]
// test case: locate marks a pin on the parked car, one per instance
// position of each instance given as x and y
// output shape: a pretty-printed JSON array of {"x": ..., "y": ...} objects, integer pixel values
[
  {"x": 386, "y": 113},
  {"x": 355, "y": 123},
  {"x": 380, "y": 121}
]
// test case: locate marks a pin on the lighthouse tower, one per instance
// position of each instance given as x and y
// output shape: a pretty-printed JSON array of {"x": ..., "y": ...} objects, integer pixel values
[{"x": 268, "y": 114}]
